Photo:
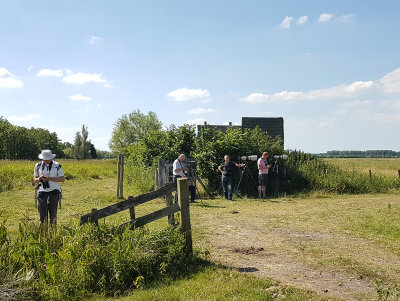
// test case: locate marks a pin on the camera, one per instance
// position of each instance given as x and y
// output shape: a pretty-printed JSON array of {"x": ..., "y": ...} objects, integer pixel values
[
  {"x": 281, "y": 157},
  {"x": 45, "y": 184},
  {"x": 248, "y": 158}
]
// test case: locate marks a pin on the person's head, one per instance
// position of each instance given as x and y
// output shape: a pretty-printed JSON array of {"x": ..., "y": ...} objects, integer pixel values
[
  {"x": 182, "y": 157},
  {"x": 264, "y": 155},
  {"x": 227, "y": 158},
  {"x": 46, "y": 155}
]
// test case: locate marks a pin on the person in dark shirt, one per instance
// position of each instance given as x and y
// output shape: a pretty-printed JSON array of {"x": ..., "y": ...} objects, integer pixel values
[{"x": 227, "y": 169}]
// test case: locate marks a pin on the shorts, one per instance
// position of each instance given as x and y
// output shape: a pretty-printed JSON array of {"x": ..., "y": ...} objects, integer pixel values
[{"x": 263, "y": 180}]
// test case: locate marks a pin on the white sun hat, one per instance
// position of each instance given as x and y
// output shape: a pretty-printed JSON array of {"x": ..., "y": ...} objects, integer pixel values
[{"x": 46, "y": 155}]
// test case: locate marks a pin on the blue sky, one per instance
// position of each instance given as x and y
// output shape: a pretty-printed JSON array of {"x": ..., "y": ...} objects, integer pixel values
[{"x": 331, "y": 69}]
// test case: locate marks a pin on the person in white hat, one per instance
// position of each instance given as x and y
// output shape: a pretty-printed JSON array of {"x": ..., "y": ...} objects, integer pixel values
[{"x": 48, "y": 174}]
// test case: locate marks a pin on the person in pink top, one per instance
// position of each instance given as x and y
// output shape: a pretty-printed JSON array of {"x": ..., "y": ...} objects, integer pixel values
[{"x": 263, "y": 168}]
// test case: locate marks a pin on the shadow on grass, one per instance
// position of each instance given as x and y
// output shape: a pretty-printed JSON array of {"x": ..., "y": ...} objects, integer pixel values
[{"x": 205, "y": 205}]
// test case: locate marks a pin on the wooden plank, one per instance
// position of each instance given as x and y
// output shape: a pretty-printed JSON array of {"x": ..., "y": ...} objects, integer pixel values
[
  {"x": 126, "y": 204},
  {"x": 169, "y": 201},
  {"x": 151, "y": 217},
  {"x": 132, "y": 215},
  {"x": 183, "y": 201},
  {"x": 118, "y": 176}
]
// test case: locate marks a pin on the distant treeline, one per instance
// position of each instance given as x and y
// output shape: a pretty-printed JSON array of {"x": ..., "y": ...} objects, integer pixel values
[
  {"x": 360, "y": 154},
  {"x": 21, "y": 143}
]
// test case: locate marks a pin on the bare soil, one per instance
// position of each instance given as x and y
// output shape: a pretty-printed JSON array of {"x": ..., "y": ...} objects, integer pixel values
[{"x": 297, "y": 258}]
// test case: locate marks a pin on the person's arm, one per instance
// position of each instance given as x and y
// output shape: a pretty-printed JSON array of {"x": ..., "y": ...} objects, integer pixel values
[
  {"x": 220, "y": 168},
  {"x": 36, "y": 177},
  {"x": 240, "y": 165},
  {"x": 262, "y": 167},
  {"x": 179, "y": 169},
  {"x": 54, "y": 179},
  {"x": 259, "y": 165}
]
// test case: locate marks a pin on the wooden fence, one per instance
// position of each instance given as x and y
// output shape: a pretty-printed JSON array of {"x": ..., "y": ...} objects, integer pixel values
[{"x": 182, "y": 206}]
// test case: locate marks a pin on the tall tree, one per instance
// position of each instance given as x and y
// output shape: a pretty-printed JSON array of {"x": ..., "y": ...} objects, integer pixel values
[
  {"x": 77, "y": 148},
  {"x": 82, "y": 146},
  {"x": 132, "y": 127}
]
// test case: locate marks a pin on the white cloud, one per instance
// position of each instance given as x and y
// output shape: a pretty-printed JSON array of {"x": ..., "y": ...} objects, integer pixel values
[
  {"x": 391, "y": 82},
  {"x": 9, "y": 80},
  {"x": 101, "y": 143},
  {"x": 356, "y": 103},
  {"x": 94, "y": 40},
  {"x": 206, "y": 100},
  {"x": 83, "y": 78},
  {"x": 184, "y": 94},
  {"x": 391, "y": 105},
  {"x": 286, "y": 22},
  {"x": 379, "y": 117},
  {"x": 302, "y": 20},
  {"x": 196, "y": 121},
  {"x": 308, "y": 123},
  {"x": 325, "y": 17},
  {"x": 342, "y": 91},
  {"x": 79, "y": 97},
  {"x": 30, "y": 117},
  {"x": 345, "y": 18},
  {"x": 50, "y": 72},
  {"x": 201, "y": 111}
]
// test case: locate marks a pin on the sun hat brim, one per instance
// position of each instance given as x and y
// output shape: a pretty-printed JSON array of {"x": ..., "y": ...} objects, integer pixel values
[{"x": 50, "y": 157}]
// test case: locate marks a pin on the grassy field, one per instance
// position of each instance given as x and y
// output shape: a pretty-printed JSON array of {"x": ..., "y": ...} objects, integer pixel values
[
  {"x": 379, "y": 166},
  {"x": 356, "y": 237}
]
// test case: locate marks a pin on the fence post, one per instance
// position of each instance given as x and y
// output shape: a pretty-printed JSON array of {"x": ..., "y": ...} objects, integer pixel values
[
  {"x": 162, "y": 179},
  {"x": 97, "y": 221},
  {"x": 161, "y": 163},
  {"x": 120, "y": 183},
  {"x": 183, "y": 200},
  {"x": 370, "y": 174},
  {"x": 398, "y": 172},
  {"x": 132, "y": 213}
]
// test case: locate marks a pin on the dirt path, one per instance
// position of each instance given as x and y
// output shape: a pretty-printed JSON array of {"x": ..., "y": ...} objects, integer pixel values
[{"x": 243, "y": 242}]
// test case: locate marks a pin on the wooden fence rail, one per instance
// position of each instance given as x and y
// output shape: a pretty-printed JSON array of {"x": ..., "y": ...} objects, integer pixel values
[
  {"x": 128, "y": 203},
  {"x": 182, "y": 206}
]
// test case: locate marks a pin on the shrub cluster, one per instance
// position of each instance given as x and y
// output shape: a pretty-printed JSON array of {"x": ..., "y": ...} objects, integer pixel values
[{"x": 75, "y": 262}]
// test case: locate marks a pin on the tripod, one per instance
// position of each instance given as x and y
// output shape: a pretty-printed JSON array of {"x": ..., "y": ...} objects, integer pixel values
[
  {"x": 277, "y": 177},
  {"x": 246, "y": 168}
]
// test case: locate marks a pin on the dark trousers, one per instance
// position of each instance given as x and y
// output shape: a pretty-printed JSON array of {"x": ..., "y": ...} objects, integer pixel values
[
  {"x": 47, "y": 205},
  {"x": 227, "y": 183}
]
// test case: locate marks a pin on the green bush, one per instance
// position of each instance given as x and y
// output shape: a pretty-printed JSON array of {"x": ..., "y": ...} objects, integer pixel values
[
  {"x": 212, "y": 145},
  {"x": 75, "y": 262},
  {"x": 306, "y": 173},
  {"x": 139, "y": 178}
]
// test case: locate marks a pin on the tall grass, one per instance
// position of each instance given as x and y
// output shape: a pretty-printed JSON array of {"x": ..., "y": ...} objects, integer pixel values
[
  {"x": 139, "y": 177},
  {"x": 74, "y": 262},
  {"x": 16, "y": 174},
  {"x": 313, "y": 174}
]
